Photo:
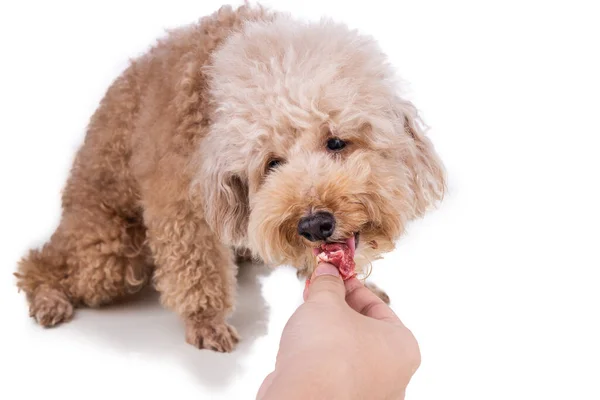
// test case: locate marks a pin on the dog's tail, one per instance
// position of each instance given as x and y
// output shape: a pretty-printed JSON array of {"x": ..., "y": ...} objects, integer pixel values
[{"x": 41, "y": 275}]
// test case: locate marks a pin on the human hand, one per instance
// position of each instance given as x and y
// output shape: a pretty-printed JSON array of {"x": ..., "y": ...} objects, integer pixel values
[{"x": 342, "y": 343}]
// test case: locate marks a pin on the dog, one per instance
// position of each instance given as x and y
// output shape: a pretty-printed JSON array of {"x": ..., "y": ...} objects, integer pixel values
[{"x": 248, "y": 133}]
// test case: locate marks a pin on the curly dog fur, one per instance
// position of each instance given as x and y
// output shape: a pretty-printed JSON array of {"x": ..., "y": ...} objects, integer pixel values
[{"x": 175, "y": 177}]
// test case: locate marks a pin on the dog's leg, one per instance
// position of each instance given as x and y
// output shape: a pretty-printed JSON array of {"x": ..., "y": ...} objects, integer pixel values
[
  {"x": 91, "y": 259},
  {"x": 195, "y": 275},
  {"x": 243, "y": 256}
]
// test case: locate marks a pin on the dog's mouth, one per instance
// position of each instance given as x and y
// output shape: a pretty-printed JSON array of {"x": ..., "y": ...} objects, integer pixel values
[{"x": 352, "y": 243}]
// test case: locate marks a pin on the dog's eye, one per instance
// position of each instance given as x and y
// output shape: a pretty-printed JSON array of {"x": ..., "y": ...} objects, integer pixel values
[
  {"x": 335, "y": 144},
  {"x": 274, "y": 163}
]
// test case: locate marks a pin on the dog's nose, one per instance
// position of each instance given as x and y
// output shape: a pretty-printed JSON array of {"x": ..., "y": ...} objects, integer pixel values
[{"x": 317, "y": 226}]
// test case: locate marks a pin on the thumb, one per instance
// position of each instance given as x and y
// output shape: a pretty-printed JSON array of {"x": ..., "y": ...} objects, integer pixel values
[{"x": 325, "y": 284}]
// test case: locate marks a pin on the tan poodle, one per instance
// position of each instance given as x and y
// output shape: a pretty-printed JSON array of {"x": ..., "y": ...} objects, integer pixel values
[{"x": 246, "y": 133}]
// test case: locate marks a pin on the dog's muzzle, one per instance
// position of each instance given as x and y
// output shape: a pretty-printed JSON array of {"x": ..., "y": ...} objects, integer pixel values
[{"x": 317, "y": 226}]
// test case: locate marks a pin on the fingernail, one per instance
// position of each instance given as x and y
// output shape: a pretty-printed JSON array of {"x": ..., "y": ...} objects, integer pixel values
[{"x": 326, "y": 269}]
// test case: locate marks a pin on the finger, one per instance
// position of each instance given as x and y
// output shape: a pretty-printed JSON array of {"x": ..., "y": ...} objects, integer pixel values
[
  {"x": 265, "y": 386},
  {"x": 325, "y": 284},
  {"x": 367, "y": 303},
  {"x": 306, "y": 285}
]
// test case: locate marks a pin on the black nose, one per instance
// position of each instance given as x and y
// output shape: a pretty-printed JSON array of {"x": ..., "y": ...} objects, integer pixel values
[{"x": 317, "y": 226}]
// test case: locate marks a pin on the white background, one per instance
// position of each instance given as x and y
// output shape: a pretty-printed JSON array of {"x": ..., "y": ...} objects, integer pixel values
[{"x": 500, "y": 285}]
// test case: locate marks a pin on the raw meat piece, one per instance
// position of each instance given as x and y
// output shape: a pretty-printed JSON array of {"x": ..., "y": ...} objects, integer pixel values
[{"x": 341, "y": 256}]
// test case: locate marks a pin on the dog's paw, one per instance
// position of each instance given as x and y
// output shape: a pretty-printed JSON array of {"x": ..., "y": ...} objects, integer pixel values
[
  {"x": 378, "y": 292},
  {"x": 217, "y": 336},
  {"x": 50, "y": 307}
]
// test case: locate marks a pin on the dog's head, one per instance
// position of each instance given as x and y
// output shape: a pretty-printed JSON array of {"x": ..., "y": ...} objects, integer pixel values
[{"x": 310, "y": 142}]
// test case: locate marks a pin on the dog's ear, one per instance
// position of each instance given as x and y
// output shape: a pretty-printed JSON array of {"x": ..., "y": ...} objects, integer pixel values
[
  {"x": 223, "y": 193},
  {"x": 427, "y": 175},
  {"x": 225, "y": 197}
]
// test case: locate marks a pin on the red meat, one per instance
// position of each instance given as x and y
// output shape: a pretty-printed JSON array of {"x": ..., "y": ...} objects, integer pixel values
[{"x": 339, "y": 255}]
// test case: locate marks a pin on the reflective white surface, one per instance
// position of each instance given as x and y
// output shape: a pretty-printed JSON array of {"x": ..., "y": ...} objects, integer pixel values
[{"x": 499, "y": 285}]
